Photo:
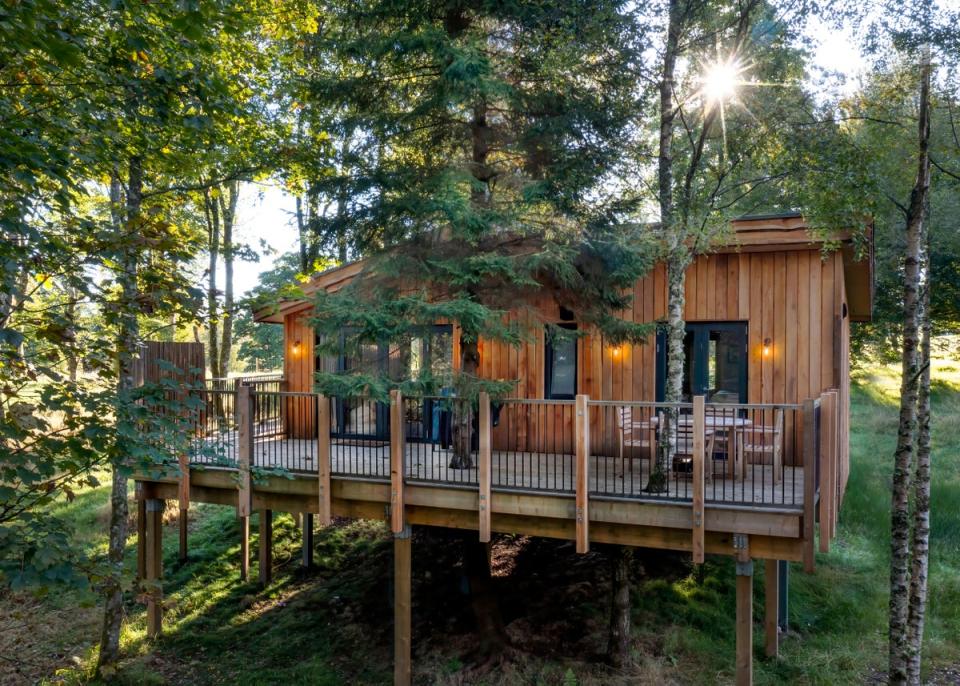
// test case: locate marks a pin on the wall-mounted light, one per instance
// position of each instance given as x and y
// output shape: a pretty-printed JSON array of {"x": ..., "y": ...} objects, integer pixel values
[
  {"x": 295, "y": 348},
  {"x": 615, "y": 351},
  {"x": 767, "y": 347}
]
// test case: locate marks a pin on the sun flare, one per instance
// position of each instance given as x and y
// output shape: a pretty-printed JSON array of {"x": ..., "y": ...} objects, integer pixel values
[{"x": 720, "y": 81}]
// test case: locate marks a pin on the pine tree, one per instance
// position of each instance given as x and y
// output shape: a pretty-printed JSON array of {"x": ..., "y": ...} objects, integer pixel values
[{"x": 488, "y": 134}]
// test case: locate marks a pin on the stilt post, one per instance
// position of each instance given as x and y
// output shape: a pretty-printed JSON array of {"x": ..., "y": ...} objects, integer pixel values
[
  {"x": 483, "y": 476},
  {"x": 266, "y": 546},
  {"x": 244, "y": 548},
  {"x": 402, "y": 625},
  {"x": 154, "y": 566},
  {"x": 783, "y": 606},
  {"x": 141, "y": 534},
  {"x": 581, "y": 472},
  {"x": 307, "y": 553},
  {"x": 744, "y": 632},
  {"x": 771, "y": 607}
]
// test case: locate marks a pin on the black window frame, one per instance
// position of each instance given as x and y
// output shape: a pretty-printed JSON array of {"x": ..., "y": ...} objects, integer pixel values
[
  {"x": 701, "y": 331},
  {"x": 548, "y": 393}
]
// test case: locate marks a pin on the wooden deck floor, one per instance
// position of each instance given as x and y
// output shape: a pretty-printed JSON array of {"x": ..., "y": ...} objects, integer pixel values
[{"x": 609, "y": 476}]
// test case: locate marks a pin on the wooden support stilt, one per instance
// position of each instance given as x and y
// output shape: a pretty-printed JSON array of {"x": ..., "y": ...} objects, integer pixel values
[
  {"x": 154, "y": 566},
  {"x": 699, "y": 429},
  {"x": 244, "y": 548},
  {"x": 266, "y": 546},
  {"x": 581, "y": 472},
  {"x": 397, "y": 450},
  {"x": 402, "y": 625},
  {"x": 324, "y": 513},
  {"x": 184, "y": 520},
  {"x": 141, "y": 538},
  {"x": 745, "y": 623},
  {"x": 783, "y": 596},
  {"x": 771, "y": 607},
  {"x": 483, "y": 474},
  {"x": 307, "y": 553}
]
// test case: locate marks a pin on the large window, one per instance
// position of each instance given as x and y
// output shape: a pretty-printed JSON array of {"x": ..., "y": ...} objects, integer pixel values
[
  {"x": 715, "y": 362},
  {"x": 561, "y": 363}
]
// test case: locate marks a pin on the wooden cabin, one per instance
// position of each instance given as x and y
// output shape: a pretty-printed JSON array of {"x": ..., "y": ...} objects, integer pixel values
[
  {"x": 767, "y": 317},
  {"x": 758, "y": 456}
]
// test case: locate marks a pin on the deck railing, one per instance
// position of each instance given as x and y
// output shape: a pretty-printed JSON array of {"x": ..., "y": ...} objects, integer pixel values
[{"x": 779, "y": 456}]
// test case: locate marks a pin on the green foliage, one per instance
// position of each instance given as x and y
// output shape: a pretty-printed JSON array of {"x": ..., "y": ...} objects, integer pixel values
[{"x": 489, "y": 135}]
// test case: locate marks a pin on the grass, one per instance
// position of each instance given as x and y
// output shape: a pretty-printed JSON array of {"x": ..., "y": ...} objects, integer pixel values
[{"x": 333, "y": 625}]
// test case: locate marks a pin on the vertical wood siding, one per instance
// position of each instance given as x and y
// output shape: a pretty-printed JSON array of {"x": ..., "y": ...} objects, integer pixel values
[{"x": 795, "y": 298}]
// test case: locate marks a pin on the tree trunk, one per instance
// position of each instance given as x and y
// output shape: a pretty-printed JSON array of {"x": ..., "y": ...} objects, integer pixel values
[
  {"x": 909, "y": 388},
  {"x": 618, "y": 643},
  {"x": 463, "y": 410},
  {"x": 212, "y": 211},
  {"x": 483, "y": 599},
  {"x": 676, "y": 264},
  {"x": 127, "y": 340},
  {"x": 920, "y": 540},
  {"x": 228, "y": 213}
]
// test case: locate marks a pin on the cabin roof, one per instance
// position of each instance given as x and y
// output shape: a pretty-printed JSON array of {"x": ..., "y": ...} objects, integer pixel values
[{"x": 753, "y": 233}]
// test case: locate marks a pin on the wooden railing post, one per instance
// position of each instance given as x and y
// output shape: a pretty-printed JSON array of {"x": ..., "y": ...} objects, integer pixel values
[
  {"x": 699, "y": 442},
  {"x": 581, "y": 472},
  {"x": 397, "y": 449},
  {"x": 809, "y": 483},
  {"x": 827, "y": 467},
  {"x": 183, "y": 495},
  {"x": 325, "y": 503},
  {"x": 244, "y": 448},
  {"x": 483, "y": 474}
]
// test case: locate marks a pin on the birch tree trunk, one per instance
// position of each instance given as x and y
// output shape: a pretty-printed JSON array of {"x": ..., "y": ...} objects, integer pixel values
[
  {"x": 920, "y": 537},
  {"x": 676, "y": 267},
  {"x": 212, "y": 211},
  {"x": 228, "y": 213},
  {"x": 127, "y": 340},
  {"x": 909, "y": 388}
]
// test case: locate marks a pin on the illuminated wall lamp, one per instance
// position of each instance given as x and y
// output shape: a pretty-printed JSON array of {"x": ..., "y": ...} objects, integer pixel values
[
  {"x": 767, "y": 347},
  {"x": 615, "y": 351},
  {"x": 295, "y": 348}
]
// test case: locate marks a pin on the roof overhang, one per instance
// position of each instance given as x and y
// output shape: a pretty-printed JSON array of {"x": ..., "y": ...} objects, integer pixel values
[
  {"x": 760, "y": 233},
  {"x": 329, "y": 280}
]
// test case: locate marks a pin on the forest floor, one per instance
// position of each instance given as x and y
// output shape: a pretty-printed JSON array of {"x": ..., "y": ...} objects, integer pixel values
[{"x": 332, "y": 625}]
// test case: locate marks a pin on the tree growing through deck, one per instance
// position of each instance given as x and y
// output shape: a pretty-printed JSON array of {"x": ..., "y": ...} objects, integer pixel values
[{"x": 488, "y": 134}]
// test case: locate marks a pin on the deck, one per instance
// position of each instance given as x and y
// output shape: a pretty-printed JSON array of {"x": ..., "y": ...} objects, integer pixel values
[{"x": 529, "y": 471}]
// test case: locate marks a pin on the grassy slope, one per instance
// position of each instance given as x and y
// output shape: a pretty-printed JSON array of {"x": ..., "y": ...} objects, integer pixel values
[{"x": 333, "y": 626}]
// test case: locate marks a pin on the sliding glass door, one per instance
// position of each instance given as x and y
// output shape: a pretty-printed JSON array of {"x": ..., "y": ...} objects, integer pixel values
[{"x": 715, "y": 362}]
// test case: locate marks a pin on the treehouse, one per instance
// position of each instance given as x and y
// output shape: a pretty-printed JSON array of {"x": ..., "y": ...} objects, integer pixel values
[{"x": 752, "y": 459}]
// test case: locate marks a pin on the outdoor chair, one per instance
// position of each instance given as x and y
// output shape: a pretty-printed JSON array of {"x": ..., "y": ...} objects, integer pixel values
[
  {"x": 763, "y": 444},
  {"x": 640, "y": 433}
]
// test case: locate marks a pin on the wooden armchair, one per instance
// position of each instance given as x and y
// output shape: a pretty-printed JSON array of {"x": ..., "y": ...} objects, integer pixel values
[
  {"x": 763, "y": 444},
  {"x": 683, "y": 457},
  {"x": 637, "y": 434}
]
